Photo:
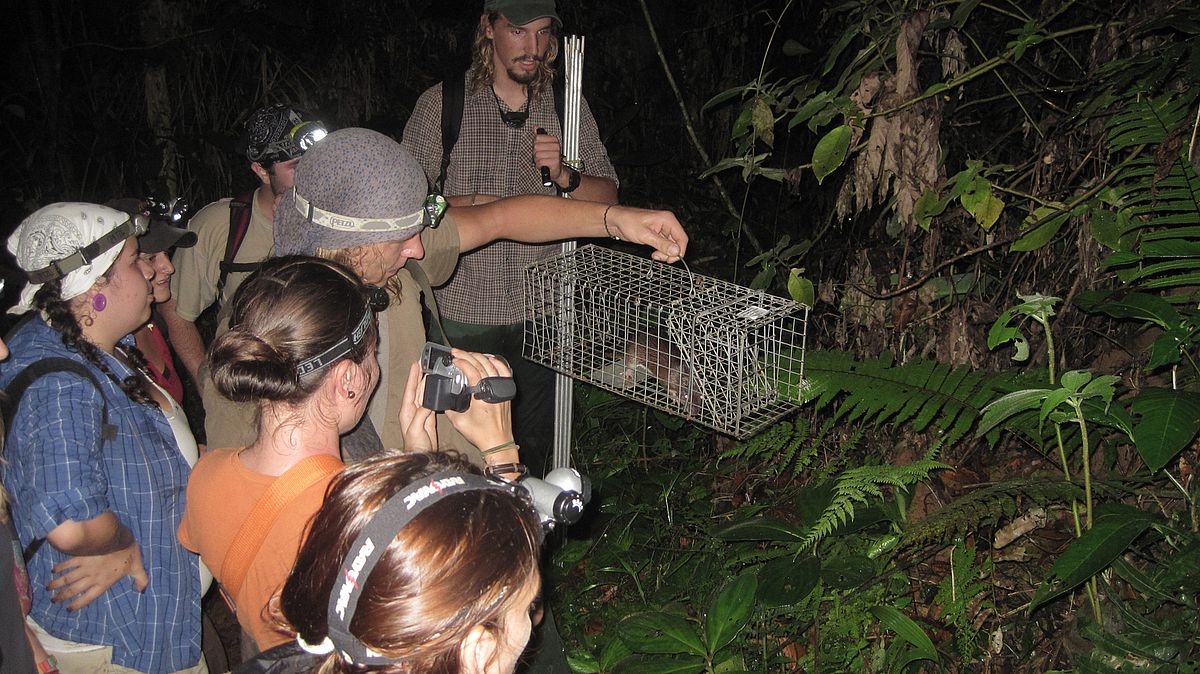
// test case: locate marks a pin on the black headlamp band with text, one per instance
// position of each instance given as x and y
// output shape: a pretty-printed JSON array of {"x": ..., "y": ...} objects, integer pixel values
[
  {"x": 342, "y": 347},
  {"x": 371, "y": 544},
  {"x": 135, "y": 226}
]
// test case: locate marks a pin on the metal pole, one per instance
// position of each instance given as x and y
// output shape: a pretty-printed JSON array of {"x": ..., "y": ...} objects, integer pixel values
[{"x": 564, "y": 385}]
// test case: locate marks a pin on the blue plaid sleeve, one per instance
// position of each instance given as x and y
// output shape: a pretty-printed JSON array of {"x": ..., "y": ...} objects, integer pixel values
[{"x": 56, "y": 470}]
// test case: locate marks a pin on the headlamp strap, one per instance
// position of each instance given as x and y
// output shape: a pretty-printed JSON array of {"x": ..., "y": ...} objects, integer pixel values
[
  {"x": 342, "y": 347},
  {"x": 350, "y": 223},
  {"x": 135, "y": 225},
  {"x": 371, "y": 544}
]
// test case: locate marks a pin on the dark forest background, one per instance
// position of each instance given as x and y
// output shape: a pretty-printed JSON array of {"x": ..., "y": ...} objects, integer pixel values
[{"x": 147, "y": 97}]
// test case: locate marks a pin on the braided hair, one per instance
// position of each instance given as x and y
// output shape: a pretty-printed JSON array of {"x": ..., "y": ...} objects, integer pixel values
[{"x": 48, "y": 299}]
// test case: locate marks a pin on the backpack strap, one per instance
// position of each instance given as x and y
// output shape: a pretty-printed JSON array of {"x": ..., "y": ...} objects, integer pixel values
[
  {"x": 429, "y": 303},
  {"x": 249, "y": 538},
  {"x": 453, "y": 95},
  {"x": 21, "y": 383},
  {"x": 40, "y": 368},
  {"x": 240, "y": 211},
  {"x": 560, "y": 99}
]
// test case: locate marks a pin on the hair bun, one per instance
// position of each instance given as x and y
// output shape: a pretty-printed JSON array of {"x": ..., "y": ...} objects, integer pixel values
[{"x": 246, "y": 368}]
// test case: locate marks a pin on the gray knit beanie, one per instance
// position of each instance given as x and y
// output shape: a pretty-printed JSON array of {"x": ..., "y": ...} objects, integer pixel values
[{"x": 355, "y": 187}]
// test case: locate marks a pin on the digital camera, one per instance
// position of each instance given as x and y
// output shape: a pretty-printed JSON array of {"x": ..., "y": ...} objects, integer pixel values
[{"x": 446, "y": 387}]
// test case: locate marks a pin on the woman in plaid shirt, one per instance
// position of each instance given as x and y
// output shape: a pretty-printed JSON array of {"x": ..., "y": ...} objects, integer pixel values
[{"x": 96, "y": 477}]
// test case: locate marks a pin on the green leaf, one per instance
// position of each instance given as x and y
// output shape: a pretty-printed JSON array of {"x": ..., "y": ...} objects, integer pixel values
[
  {"x": 759, "y": 529},
  {"x": 1113, "y": 531},
  {"x": 906, "y": 629},
  {"x": 726, "y": 95},
  {"x": 1166, "y": 350},
  {"x": 1142, "y": 582},
  {"x": 928, "y": 206},
  {"x": 583, "y": 663},
  {"x": 762, "y": 119},
  {"x": 811, "y": 108},
  {"x": 1169, "y": 420},
  {"x": 1055, "y": 398},
  {"x": 973, "y": 191},
  {"x": 612, "y": 653},
  {"x": 678, "y": 665},
  {"x": 800, "y": 289},
  {"x": 831, "y": 152},
  {"x": 731, "y": 162},
  {"x": 660, "y": 633},
  {"x": 1007, "y": 406},
  {"x": 988, "y": 211},
  {"x": 729, "y": 611},
  {"x": 794, "y": 48},
  {"x": 1102, "y": 387},
  {"x": 1075, "y": 379},
  {"x": 963, "y": 11},
  {"x": 1140, "y": 306},
  {"x": 849, "y": 572},
  {"x": 1105, "y": 228},
  {"x": 763, "y": 278},
  {"x": 741, "y": 125},
  {"x": 1042, "y": 233},
  {"x": 787, "y": 581},
  {"x": 1002, "y": 333}
]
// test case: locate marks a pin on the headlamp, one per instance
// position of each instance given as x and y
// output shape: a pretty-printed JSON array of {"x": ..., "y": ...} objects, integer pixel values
[
  {"x": 307, "y": 134},
  {"x": 302, "y": 136},
  {"x": 429, "y": 215},
  {"x": 171, "y": 211}
]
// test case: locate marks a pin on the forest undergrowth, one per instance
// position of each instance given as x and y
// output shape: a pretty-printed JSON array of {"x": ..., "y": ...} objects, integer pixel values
[{"x": 994, "y": 211}]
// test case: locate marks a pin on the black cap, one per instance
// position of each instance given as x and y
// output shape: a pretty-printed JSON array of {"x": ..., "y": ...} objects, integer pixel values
[{"x": 161, "y": 236}]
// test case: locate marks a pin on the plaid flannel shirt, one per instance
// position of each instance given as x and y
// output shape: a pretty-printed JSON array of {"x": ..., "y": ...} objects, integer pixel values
[
  {"x": 57, "y": 469},
  {"x": 491, "y": 158}
]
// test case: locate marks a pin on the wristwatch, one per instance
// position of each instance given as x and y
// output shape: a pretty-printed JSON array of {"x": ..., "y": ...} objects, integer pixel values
[{"x": 572, "y": 182}]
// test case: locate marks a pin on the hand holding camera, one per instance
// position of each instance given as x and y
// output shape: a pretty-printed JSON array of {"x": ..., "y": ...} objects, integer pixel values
[
  {"x": 447, "y": 386},
  {"x": 445, "y": 380}
]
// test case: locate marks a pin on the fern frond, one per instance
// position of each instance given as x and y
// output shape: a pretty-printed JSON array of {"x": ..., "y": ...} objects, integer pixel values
[
  {"x": 987, "y": 506},
  {"x": 864, "y": 485},
  {"x": 920, "y": 393}
]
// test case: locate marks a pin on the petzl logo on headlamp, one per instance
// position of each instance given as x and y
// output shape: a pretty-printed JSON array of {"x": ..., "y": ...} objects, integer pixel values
[
  {"x": 434, "y": 487},
  {"x": 351, "y": 582}
]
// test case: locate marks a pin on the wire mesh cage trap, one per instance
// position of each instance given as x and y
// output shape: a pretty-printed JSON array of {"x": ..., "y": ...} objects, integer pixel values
[{"x": 714, "y": 352}]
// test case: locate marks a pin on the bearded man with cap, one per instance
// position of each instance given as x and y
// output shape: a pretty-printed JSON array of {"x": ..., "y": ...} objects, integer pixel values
[
  {"x": 96, "y": 477},
  {"x": 507, "y": 97},
  {"x": 273, "y": 141}
]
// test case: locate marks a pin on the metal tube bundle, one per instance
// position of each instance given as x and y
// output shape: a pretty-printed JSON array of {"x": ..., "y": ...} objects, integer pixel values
[{"x": 572, "y": 104}]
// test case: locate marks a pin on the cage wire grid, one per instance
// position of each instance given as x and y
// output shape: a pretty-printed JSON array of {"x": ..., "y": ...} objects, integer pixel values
[{"x": 716, "y": 353}]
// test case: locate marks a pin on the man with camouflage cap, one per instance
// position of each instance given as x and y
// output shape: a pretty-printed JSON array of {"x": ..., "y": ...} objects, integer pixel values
[{"x": 235, "y": 235}]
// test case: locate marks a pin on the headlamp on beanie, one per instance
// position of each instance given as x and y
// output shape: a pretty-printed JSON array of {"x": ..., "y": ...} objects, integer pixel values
[
  {"x": 280, "y": 133},
  {"x": 429, "y": 216}
]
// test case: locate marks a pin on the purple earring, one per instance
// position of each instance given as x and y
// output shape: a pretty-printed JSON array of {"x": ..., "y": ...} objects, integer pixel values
[{"x": 99, "y": 301}]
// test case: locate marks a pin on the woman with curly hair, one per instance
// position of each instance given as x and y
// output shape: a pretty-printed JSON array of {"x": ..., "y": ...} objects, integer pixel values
[{"x": 92, "y": 464}]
